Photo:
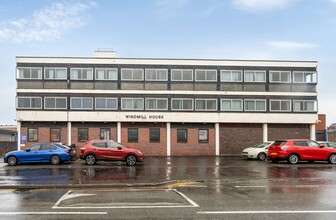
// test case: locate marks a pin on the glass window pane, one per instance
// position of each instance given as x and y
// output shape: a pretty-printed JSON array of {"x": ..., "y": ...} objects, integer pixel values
[
  {"x": 126, "y": 74},
  {"x": 203, "y": 136},
  {"x": 285, "y": 105},
  {"x": 55, "y": 135},
  {"x": 187, "y": 104},
  {"x": 187, "y": 75},
  {"x": 126, "y": 103},
  {"x": 226, "y": 105},
  {"x": 61, "y": 74},
  {"x": 112, "y": 103},
  {"x": 137, "y": 74},
  {"x": 162, "y": 75},
  {"x": 249, "y": 105},
  {"x": 100, "y": 103},
  {"x": 100, "y": 74},
  {"x": 211, "y": 105},
  {"x": 176, "y": 104},
  {"x": 112, "y": 74},
  {"x": 138, "y": 104},
  {"x": 75, "y": 74},
  {"x": 200, "y": 75},
  {"x": 60, "y": 102},
  {"x": 150, "y": 104},
  {"x": 275, "y": 105},
  {"x": 275, "y": 77},
  {"x": 249, "y": 76},
  {"x": 237, "y": 105},
  {"x": 154, "y": 135},
  {"x": 211, "y": 75},
  {"x": 49, "y": 103},
  {"x": 150, "y": 74},
  {"x": 23, "y": 102},
  {"x": 87, "y": 102},
  {"x": 36, "y": 103},
  {"x": 298, "y": 77},
  {"x": 33, "y": 135},
  {"x": 132, "y": 135},
  {"x": 260, "y": 105},
  {"x": 176, "y": 75},
  {"x": 83, "y": 134},
  {"x": 104, "y": 134},
  {"x": 226, "y": 75},
  {"x": 76, "y": 103},
  {"x": 182, "y": 135},
  {"x": 200, "y": 105}
]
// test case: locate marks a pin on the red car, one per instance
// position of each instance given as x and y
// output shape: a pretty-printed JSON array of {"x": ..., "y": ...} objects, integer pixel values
[
  {"x": 96, "y": 150},
  {"x": 294, "y": 150}
]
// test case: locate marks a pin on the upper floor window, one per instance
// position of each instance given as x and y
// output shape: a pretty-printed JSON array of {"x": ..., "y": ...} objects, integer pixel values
[
  {"x": 182, "y": 75},
  {"x": 29, "y": 102},
  {"x": 107, "y": 103},
  {"x": 132, "y": 103},
  {"x": 255, "y": 76},
  {"x": 81, "y": 73},
  {"x": 132, "y": 74},
  {"x": 231, "y": 75},
  {"x": 255, "y": 105},
  {"x": 81, "y": 103},
  {"x": 182, "y": 104},
  {"x": 156, "y": 74},
  {"x": 55, "y": 73},
  {"x": 304, "y": 77},
  {"x": 29, "y": 73},
  {"x": 106, "y": 74},
  {"x": 280, "y": 76},
  {"x": 280, "y": 105},
  {"x": 206, "y": 104},
  {"x": 305, "y": 105},
  {"x": 206, "y": 75},
  {"x": 231, "y": 105},
  {"x": 55, "y": 102},
  {"x": 156, "y": 104}
]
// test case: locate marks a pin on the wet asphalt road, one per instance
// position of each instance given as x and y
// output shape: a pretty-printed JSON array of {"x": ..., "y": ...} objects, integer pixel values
[{"x": 169, "y": 188}]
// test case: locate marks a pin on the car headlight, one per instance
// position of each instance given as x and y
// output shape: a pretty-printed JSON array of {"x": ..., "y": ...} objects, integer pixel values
[{"x": 140, "y": 152}]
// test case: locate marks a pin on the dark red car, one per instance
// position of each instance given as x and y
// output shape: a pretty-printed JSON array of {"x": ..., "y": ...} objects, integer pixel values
[
  {"x": 96, "y": 150},
  {"x": 294, "y": 150}
]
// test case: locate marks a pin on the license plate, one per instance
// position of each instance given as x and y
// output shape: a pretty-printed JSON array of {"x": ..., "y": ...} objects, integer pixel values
[{"x": 273, "y": 153}]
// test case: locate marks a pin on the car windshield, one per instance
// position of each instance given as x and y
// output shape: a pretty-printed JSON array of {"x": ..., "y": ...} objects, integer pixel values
[{"x": 262, "y": 145}]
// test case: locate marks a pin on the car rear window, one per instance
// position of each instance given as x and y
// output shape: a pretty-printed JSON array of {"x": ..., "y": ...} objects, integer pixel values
[{"x": 279, "y": 143}]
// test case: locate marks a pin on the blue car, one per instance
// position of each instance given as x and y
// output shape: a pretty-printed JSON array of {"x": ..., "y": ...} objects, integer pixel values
[{"x": 48, "y": 153}]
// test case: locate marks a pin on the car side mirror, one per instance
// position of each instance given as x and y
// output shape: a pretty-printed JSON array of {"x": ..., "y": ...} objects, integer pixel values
[
  {"x": 119, "y": 147},
  {"x": 28, "y": 150},
  {"x": 321, "y": 145}
]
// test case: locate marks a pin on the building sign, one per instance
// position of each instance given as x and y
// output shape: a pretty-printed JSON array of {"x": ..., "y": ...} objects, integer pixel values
[
  {"x": 23, "y": 139},
  {"x": 144, "y": 117},
  {"x": 203, "y": 136}
]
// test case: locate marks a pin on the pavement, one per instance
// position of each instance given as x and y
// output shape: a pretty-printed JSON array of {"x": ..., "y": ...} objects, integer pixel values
[{"x": 164, "y": 172}]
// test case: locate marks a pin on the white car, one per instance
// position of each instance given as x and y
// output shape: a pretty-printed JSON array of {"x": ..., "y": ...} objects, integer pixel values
[{"x": 259, "y": 151}]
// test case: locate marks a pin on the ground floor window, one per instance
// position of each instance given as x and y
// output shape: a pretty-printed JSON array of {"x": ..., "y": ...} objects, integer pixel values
[
  {"x": 83, "y": 134},
  {"x": 182, "y": 136},
  {"x": 203, "y": 135},
  {"x": 32, "y": 135},
  {"x": 104, "y": 134},
  {"x": 55, "y": 134},
  {"x": 132, "y": 135},
  {"x": 154, "y": 135}
]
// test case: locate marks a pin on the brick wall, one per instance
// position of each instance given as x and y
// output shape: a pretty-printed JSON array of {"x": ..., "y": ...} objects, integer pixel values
[
  {"x": 288, "y": 131},
  {"x": 233, "y": 138},
  {"x": 144, "y": 144}
]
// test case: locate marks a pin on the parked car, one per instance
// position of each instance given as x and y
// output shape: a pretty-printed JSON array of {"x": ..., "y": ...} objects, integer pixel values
[
  {"x": 294, "y": 150},
  {"x": 328, "y": 143},
  {"x": 258, "y": 151},
  {"x": 47, "y": 152},
  {"x": 96, "y": 150}
]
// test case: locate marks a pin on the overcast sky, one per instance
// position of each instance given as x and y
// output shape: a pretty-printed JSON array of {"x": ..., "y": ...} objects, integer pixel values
[{"x": 220, "y": 29}]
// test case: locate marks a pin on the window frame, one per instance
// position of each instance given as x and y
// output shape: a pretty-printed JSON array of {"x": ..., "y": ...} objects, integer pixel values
[
  {"x": 232, "y": 110},
  {"x": 55, "y": 69},
  {"x": 182, "y": 74},
  {"x": 30, "y": 73},
  {"x": 81, "y": 73},
  {"x": 222, "y": 80},
  {"x": 177, "y": 99},
  {"x": 157, "y": 139},
  {"x": 280, "y": 100},
  {"x": 72, "y": 98},
  {"x": 206, "y": 75},
  {"x": 255, "y": 101},
  {"x": 280, "y": 76},
  {"x": 178, "y": 140},
  {"x": 135, "y": 140},
  {"x": 254, "y": 76},
  {"x": 29, "y": 139},
  {"x": 58, "y": 134},
  {"x": 78, "y": 134},
  {"x": 142, "y": 74},
  {"x": 106, "y": 74},
  {"x": 156, "y": 100},
  {"x": 106, "y": 98},
  {"x": 156, "y": 75},
  {"x": 315, "y": 106},
  {"x": 66, "y": 102},
  {"x": 206, "y": 105},
  {"x": 303, "y": 74},
  {"x": 141, "y": 109},
  {"x": 30, "y": 98}
]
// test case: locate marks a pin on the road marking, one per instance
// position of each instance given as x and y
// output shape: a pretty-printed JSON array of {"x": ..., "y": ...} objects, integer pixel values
[
  {"x": 71, "y": 194},
  {"x": 53, "y": 213},
  {"x": 267, "y": 212}
]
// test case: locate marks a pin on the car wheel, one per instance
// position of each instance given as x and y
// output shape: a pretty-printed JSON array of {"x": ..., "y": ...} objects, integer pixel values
[
  {"x": 131, "y": 160},
  {"x": 12, "y": 161},
  {"x": 90, "y": 159},
  {"x": 55, "y": 160},
  {"x": 332, "y": 159},
  {"x": 261, "y": 156},
  {"x": 293, "y": 159}
]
